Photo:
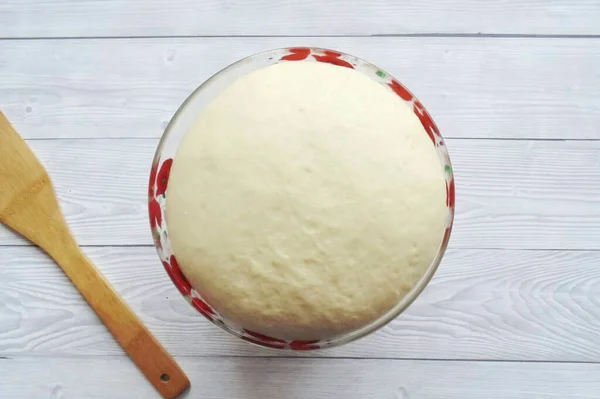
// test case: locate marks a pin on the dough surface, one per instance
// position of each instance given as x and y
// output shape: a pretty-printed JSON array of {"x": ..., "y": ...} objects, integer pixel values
[{"x": 305, "y": 201}]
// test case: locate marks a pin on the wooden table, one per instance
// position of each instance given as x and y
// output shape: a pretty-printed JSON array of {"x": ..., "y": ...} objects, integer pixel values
[{"x": 514, "y": 311}]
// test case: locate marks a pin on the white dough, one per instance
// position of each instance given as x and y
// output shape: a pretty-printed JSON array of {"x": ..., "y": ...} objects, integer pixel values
[{"x": 305, "y": 201}]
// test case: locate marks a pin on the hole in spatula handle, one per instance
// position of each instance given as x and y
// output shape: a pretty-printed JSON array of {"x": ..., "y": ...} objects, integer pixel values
[{"x": 165, "y": 377}]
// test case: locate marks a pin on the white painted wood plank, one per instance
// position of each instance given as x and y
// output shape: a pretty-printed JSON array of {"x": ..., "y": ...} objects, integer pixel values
[
  {"x": 474, "y": 87},
  {"x": 242, "y": 378},
  {"x": 481, "y": 304},
  {"x": 510, "y": 194},
  {"x": 62, "y": 18}
]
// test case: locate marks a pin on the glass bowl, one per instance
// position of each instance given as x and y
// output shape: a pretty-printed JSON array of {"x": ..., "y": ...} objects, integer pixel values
[{"x": 178, "y": 126}]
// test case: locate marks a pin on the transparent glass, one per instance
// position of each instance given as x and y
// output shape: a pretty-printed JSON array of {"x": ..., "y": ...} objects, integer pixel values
[{"x": 178, "y": 126}]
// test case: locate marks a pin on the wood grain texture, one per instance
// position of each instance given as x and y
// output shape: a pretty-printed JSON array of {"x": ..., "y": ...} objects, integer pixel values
[
  {"x": 241, "y": 378},
  {"x": 474, "y": 87},
  {"x": 482, "y": 304},
  {"x": 63, "y": 18},
  {"x": 29, "y": 205},
  {"x": 510, "y": 194}
]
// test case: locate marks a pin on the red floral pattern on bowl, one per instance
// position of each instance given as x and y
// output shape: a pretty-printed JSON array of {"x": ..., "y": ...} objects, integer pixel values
[{"x": 163, "y": 160}]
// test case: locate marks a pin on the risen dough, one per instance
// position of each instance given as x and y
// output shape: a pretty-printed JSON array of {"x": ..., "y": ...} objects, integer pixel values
[{"x": 305, "y": 201}]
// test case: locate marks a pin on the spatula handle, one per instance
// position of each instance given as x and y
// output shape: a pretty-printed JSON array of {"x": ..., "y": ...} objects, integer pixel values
[
  {"x": 29, "y": 206},
  {"x": 141, "y": 346}
]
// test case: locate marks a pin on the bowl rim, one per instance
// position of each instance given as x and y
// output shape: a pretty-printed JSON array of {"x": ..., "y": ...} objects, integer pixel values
[{"x": 310, "y": 54}]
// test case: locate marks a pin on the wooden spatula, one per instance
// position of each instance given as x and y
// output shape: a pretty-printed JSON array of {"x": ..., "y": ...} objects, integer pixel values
[{"x": 29, "y": 206}]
